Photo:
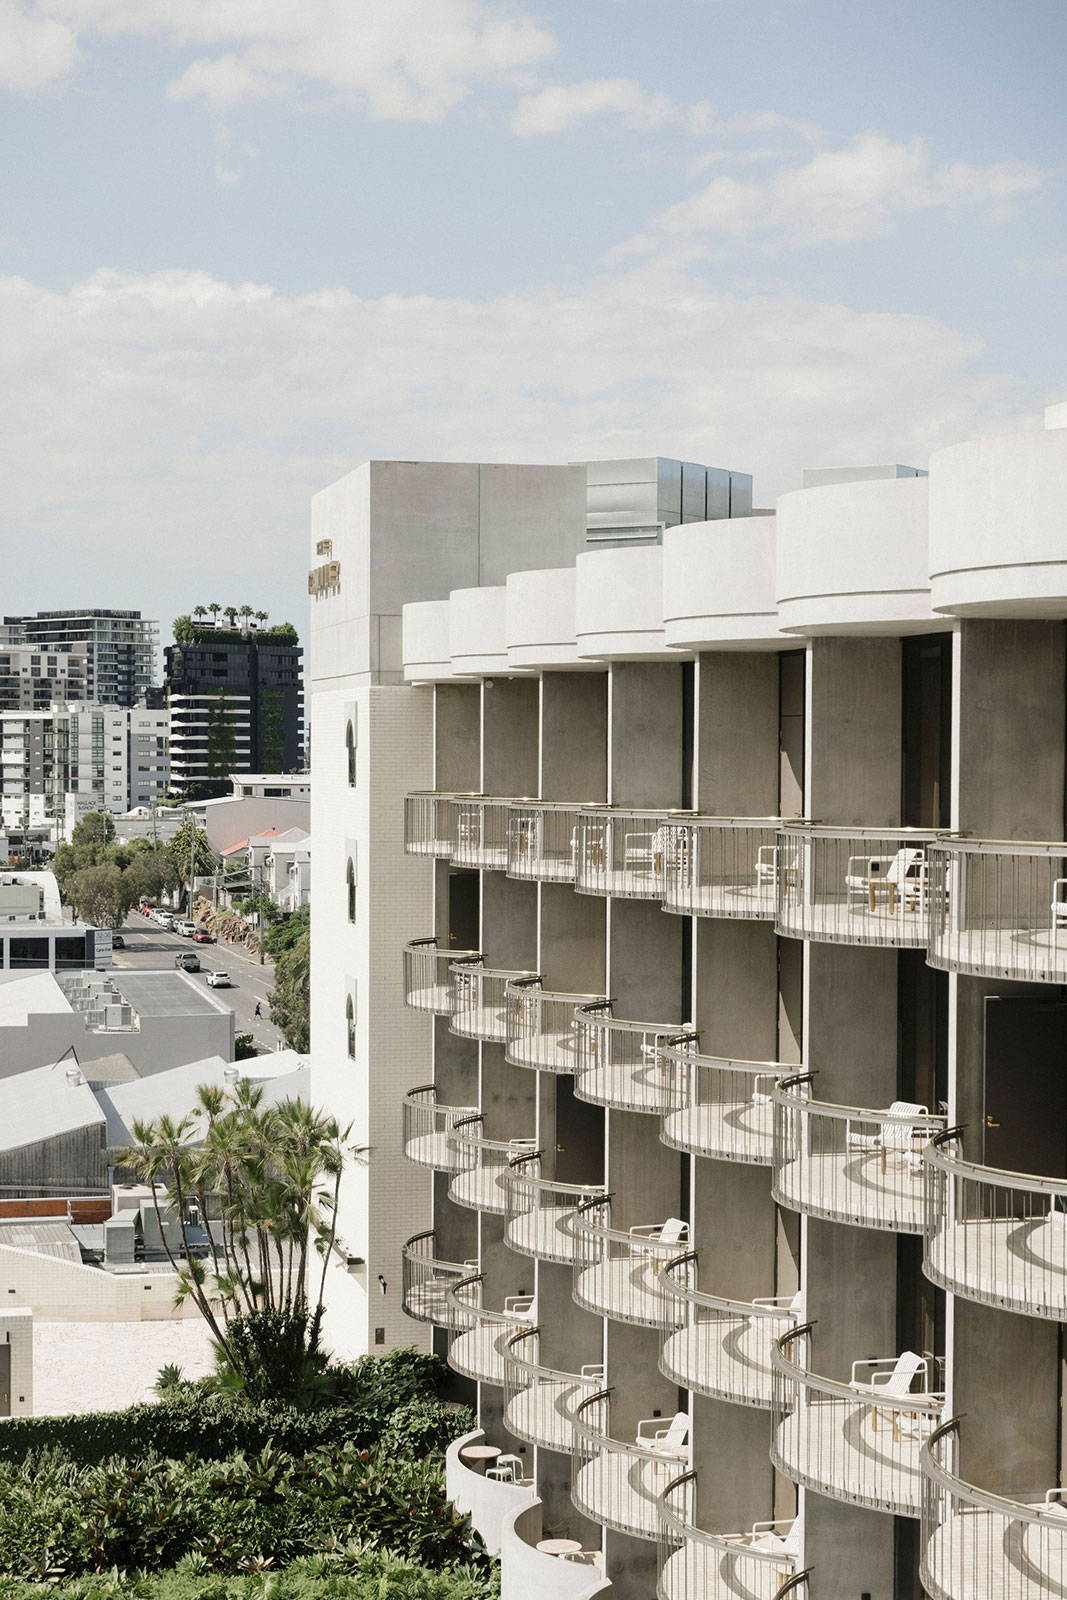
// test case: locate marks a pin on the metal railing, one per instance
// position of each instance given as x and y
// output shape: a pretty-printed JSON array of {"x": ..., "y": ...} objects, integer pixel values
[
  {"x": 622, "y": 852},
  {"x": 542, "y": 841},
  {"x": 428, "y": 1130},
  {"x": 624, "y": 1064},
  {"x": 428, "y": 1281},
  {"x": 721, "y": 867},
  {"x": 850, "y": 1163},
  {"x": 479, "y": 1179},
  {"x": 797, "y": 1587},
  {"x": 428, "y": 976},
  {"x": 694, "y": 1565},
  {"x": 619, "y": 1272},
  {"x": 476, "y": 1350},
  {"x": 722, "y": 1108},
  {"x": 996, "y": 1237},
  {"x": 999, "y": 909},
  {"x": 981, "y": 1546},
  {"x": 480, "y": 832},
  {"x": 540, "y": 1025},
  {"x": 538, "y": 1210},
  {"x": 723, "y": 1348},
  {"x": 429, "y": 823},
  {"x": 617, "y": 1482},
  {"x": 867, "y": 886},
  {"x": 539, "y": 1402},
  {"x": 857, "y": 1445},
  {"x": 480, "y": 1000}
]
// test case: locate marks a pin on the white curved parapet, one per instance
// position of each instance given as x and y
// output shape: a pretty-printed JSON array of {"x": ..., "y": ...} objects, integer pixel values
[
  {"x": 998, "y": 545},
  {"x": 476, "y": 630},
  {"x": 618, "y": 606},
  {"x": 718, "y": 585},
  {"x": 486, "y": 1501},
  {"x": 852, "y": 558},
  {"x": 425, "y": 648},
  {"x": 527, "y": 1573},
  {"x": 539, "y": 624}
]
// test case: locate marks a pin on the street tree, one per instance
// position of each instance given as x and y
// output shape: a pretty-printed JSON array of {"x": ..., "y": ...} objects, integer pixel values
[{"x": 101, "y": 895}]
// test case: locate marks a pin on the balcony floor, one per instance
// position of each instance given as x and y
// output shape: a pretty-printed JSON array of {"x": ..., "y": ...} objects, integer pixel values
[
  {"x": 651, "y": 1087},
  {"x": 427, "y": 1302},
  {"x": 728, "y": 1358},
  {"x": 1018, "y": 1264},
  {"x": 475, "y": 1353},
  {"x": 628, "y": 1289},
  {"x": 981, "y": 1555},
  {"x": 1038, "y": 954},
  {"x": 622, "y": 1491},
  {"x": 701, "y": 1572},
  {"x": 432, "y": 1150},
  {"x": 479, "y": 1189},
  {"x": 625, "y": 883},
  {"x": 853, "y": 922},
  {"x": 726, "y": 1131},
  {"x": 437, "y": 998},
  {"x": 747, "y": 901},
  {"x": 851, "y": 1187},
  {"x": 837, "y": 1449},
  {"x": 542, "y": 1233},
  {"x": 480, "y": 1022},
  {"x": 540, "y": 1414},
  {"x": 551, "y": 1052}
]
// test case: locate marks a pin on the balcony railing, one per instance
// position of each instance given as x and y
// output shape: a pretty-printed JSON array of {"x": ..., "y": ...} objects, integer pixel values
[
  {"x": 619, "y": 1482},
  {"x": 428, "y": 1130},
  {"x": 481, "y": 833},
  {"x": 867, "y": 886},
  {"x": 695, "y": 1565},
  {"x": 482, "y": 1165},
  {"x": 721, "y": 867},
  {"x": 427, "y": 1283},
  {"x": 428, "y": 975},
  {"x": 542, "y": 841},
  {"x": 855, "y": 1444},
  {"x": 849, "y": 1163},
  {"x": 480, "y": 1000},
  {"x": 981, "y": 1546},
  {"x": 625, "y": 1064},
  {"x": 539, "y": 1211},
  {"x": 619, "y": 1272},
  {"x": 722, "y": 1108},
  {"x": 996, "y": 1237},
  {"x": 723, "y": 1349},
  {"x": 477, "y": 1350},
  {"x": 429, "y": 823},
  {"x": 999, "y": 909},
  {"x": 622, "y": 853},
  {"x": 539, "y": 1402},
  {"x": 540, "y": 1025}
]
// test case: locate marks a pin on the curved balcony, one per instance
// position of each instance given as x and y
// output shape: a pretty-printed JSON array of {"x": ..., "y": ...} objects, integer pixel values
[
  {"x": 857, "y": 1441},
  {"x": 428, "y": 975},
  {"x": 619, "y": 1273},
  {"x": 723, "y": 1348},
  {"x": 429, "y": 823},
  {"x": 481, "y": 832},
  {"x": 428, "y": 1130},
  {"x": 622, "y": 852},
  {"x": 428, "y": 1281},
  {"x": 542, "y": 841},
  {"x": 722, "y": 1108},
  {"x": 695, "y": 1565},
  {"x": 996, "y": 1237},
  {"x": 865, "y": 886},
  {"x": 999, "y": 910},
  {"x": 617, "y": 1482},
  {"x": 624, "y": 1064},
  {"x": 539, "y": 1402},
  {"x": 539, "y": 1211},
  {"x": 721, "y": 867},
  {"x": 527, "y": 1573},
  {"x": 849, "y": 1163},
  {"x": 482, "y": 1165},
  {"x": 491, "y": 1503},
  {"x": 480, "y": 1000},
  {"x": 981, "y": 1546},
  {"x": 540, "y": 1025},
  {"x": 476, "y": 1350}
]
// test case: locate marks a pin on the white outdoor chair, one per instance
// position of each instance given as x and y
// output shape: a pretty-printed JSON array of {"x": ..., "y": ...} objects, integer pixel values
[
  {"x": 506, "y": 1469},
  {"x": 765, "y": 1536},
  {"x": 791, "y": 1303},
  {"x": 671, "y": 1440},
  {"x": 673, "y": 1231},
  {"x": 890, "y": 1377},
  {"x": 1054, "y": 1501},
  {"x": 894, "y": 1136},
  {"x": 521, "y": 1305},
  {"x": 638, "y": 851},
  {"x": 907, "y": 871},
  {"x": 767, "y": 866},
  {"x": 1059, "y": 904}
]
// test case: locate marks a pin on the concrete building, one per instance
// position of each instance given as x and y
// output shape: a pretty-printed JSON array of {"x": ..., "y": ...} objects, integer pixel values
[
  {"x": 34, "y": 933},
  {"x": 119, "y": 649},
  {"x": 231, "y": 819},
  {"x": 31, "y": 677},
  {"x": 271, "y": 785},
  {"x": 731, "y": 922}
]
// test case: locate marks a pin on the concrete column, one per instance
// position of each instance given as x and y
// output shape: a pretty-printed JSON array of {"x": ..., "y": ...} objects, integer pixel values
[
  {"x": 645, "y": 710},
  {"x": 574, "y": 725},
  {"x": 510, "y": 719},
  {"x": 737, "y": 735},
  {"x": 457, "y": 737},
  {"x": 854, "y": 731}
]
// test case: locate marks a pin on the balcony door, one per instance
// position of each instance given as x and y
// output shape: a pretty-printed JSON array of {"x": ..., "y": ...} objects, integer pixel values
[{"x": 1025, "y": 1109}]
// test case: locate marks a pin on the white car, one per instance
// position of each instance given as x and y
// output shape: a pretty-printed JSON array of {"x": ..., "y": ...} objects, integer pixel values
[
  {"x": 164, "y": 919},
  {"x": 185, "y": 928},
  {"x": 219, "y": 980}
]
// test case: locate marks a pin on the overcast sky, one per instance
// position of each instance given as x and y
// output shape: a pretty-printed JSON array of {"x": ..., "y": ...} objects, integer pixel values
[{"x": 247, "y": 244}]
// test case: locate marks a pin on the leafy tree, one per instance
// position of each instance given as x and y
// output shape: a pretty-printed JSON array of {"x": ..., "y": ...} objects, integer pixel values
[
  {"x": 96, "y": 828},
  {"x": 290, "y": 999},
  {"x": 284, "y": 929},
  {"x": 151, "y": 873},
  {"x": 101, "y": 895},
  {"x": 244, "y": 1047},
  {"x": 190, "y": 849},
  {"x": 221, "y": 745}
]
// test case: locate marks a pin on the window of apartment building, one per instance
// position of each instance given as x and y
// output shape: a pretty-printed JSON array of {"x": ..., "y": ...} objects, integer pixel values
[{"x": 350, "y": 1026}]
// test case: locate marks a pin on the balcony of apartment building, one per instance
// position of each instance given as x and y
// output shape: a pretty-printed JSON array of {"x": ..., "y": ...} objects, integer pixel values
[
  {"x": 490, "y": 1494},
  {"x": 996, "y": 1237},
  {"x": 999, "y": 910},
  {"x": 542, "y": 841},
  {"x": 429, "y": 823},
  {"x": 539, "y": 1401},
  {"x": 479, "y": 1333},
  {"x": 482, "y": 1165},
  {"x": 481, "y": 832},
  {"x": 862, "y": 886},
  {"x": 722, "y": 1108},
  {"x": 982, "y": 1546},
  {"x": 623, "y": 1064},
  {"x": 621, "y": 852},
  {"x": 539, "y": 1210},
  {"x": 534, "y": 1568},
  {"x": 427, "y": 1281},
  {"x": 852, "y": 1164},
  {"x": 619, "y": 1482},
  {"x": 695, "y": 1565},
  {"x": 858, "y": 1441},
  {"x": 540, "y": 1025},
  {"x": 428, "y": 1129},
  {"x": 428, "y": 976},
  {"x": 721, "y": 867},
  {"x": 619, "y": 1271},
  {"x": 723, "y": 1347},
  {"x": 480, "y": 999}
]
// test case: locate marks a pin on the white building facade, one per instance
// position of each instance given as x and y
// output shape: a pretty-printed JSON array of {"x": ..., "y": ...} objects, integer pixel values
[{"x": 58, "y": 763}]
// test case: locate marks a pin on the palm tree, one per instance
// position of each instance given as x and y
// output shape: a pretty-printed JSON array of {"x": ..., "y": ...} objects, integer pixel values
[
  {"x": 261, "y": 616},
  {"x": 214, "y": 608},
  {"x": 200, "y": 611},
  {"x": 246, "y": 612},
  {"x": 230, "y": 613}
]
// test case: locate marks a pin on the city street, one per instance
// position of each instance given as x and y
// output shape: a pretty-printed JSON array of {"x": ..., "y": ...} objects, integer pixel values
[{"x": 149, "y": 947}]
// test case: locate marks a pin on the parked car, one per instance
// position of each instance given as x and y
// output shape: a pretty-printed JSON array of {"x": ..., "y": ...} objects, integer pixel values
[
  {"x": 188, "y": 962},
  {"x": 203, "y": 936},
  {"x": 117, "y": 942},
  {"x": 219, "y": 980},
  {"x": 164, "y": 919},
  {"x": 185, "y": 928},
  {"x": 145, "y": 906}
]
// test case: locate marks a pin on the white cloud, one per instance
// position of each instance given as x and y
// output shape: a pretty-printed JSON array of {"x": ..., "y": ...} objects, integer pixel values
[
  {"x": 563, "y": 106},
  {"x": 35, "y": 48}
]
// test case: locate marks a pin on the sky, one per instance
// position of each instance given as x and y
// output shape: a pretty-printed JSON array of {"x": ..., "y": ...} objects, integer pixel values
[{"x": 247, "y": 244}]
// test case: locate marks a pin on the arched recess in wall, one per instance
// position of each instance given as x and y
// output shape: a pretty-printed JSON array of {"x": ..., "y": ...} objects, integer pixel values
[{"x": 350, "y": 1026}]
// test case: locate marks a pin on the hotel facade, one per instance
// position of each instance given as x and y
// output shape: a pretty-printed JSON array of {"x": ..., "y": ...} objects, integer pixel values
[{"x": 690, "y": 960}]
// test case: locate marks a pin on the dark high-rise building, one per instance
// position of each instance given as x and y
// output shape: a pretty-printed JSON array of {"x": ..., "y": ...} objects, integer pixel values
[{"x": 119, "y": 648}]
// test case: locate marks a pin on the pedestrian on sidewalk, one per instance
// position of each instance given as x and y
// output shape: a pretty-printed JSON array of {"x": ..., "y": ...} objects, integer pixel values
[{"x": 259, "y": 1009}]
